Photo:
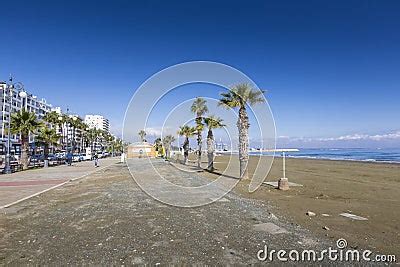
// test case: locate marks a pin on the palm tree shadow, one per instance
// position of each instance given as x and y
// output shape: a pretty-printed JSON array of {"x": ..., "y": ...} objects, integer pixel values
[{"x": 221, "y": 174}]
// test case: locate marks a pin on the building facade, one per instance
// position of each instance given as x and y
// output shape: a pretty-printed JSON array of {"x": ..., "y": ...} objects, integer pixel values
[
  {"x": 31, "y": 103},
  {"x": 97, "y": 122},
  {"x": 71, "y": 137},
  {"x": 100, "y": 123}
]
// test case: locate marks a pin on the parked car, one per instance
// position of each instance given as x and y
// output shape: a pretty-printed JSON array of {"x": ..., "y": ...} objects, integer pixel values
[
  {"x": 86, "y": 156},
  {"x": 60, "y": 156},
  {"x": 37, "y": 158},
  {"x": 77, "y": 158}
]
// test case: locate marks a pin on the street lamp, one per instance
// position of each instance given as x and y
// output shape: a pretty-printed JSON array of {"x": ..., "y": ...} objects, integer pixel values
[{"x": 8, "y": 95}]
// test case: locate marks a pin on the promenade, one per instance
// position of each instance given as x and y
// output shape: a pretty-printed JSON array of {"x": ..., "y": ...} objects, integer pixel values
[{"x": 20, "y": 185}]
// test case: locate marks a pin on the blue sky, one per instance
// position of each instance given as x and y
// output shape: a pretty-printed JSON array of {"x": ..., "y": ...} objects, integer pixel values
[{"x": 330, "y": 67}]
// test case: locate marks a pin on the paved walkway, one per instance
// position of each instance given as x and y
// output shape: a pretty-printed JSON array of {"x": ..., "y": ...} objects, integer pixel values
[{"x": 20, "y": 185}]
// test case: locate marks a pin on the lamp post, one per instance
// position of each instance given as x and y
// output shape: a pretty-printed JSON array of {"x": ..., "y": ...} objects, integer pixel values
[{"x": 8, "y": 95}]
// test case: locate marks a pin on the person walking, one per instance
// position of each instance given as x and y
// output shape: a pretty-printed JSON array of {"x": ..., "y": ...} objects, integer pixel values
[
  {"x": 96, "y": 160},
  {"x": 69, "y": 158}
]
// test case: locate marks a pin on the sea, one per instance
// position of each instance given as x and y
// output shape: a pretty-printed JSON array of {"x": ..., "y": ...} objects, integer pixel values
[{"x": 356, "y": 154}]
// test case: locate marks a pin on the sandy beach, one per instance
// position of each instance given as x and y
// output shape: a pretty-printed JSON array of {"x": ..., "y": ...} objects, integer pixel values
[{"x": 370, "y": 190}]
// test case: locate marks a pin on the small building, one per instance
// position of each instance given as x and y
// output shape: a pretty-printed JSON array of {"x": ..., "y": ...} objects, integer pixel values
[{"x": 141, "y": 149}]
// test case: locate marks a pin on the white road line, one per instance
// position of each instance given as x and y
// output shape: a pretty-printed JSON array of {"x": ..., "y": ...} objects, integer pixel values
[{"x": 53, "y": 187}]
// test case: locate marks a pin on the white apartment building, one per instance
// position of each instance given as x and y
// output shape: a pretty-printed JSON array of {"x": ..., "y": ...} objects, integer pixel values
[
  {"x": 31, "y": 103},
  {"x": 97, "y": 122}
]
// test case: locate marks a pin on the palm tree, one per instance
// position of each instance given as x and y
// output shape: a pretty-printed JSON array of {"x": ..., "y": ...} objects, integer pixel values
[
  {"x": 82, "y": 128},
  {"x": 186, "y": 131},
  {"x": 24, "y": 123},
  {"x": 63, "y": 122},
  {"x": 240, "y": 96},
  {"x": 199, "y": 108},
  {"x": 118, "y": 145},
  {"x": 110, "y": 139},
  {"x": 212, "y": 122},
  {"x": 84, "y": 135},
  {"x": 47, "y": 137},
  {"x": 75, "y": 123},
  {"x": 91, "y": 137},
  {"x": 142, "y": 135},
  {"x": 167, "y": 141},
  {"x": 52, "y": 118},
  {"x": 158, "y": 146}
]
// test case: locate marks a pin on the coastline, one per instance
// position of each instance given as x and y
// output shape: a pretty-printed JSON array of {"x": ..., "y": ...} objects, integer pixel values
[
  {"x": 278, "y": 155},
  {"x": 343, "y": 160}
]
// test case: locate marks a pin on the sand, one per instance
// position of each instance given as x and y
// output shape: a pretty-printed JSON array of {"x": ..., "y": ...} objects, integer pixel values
[{"x": 370, "y": 190}]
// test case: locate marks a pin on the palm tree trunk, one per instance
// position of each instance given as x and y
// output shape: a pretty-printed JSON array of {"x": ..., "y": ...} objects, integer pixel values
[
  {"x": 199, "y": 142},
  {"x": 46, "y": 151},
  {"x": 210, "y": 150},
  {"x": 24, "y": 151},
  {"x": 167, "y": 151},
  {"x": 243, "y": 127},
  {"x": 46, "y": 155},
  {"x": 185, "y": 150}
]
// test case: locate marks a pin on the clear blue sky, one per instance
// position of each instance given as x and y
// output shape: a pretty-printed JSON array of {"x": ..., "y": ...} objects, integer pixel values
[{"x": 331, "y": 67}]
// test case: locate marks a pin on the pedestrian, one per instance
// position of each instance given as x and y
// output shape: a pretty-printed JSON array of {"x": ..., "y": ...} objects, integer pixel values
[
  {"x": 96, "y": 160},
  {"x": 69, "y": 158}
]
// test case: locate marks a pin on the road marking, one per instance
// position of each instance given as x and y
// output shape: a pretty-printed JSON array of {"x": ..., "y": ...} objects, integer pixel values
[{"x": 53, "y": 187}]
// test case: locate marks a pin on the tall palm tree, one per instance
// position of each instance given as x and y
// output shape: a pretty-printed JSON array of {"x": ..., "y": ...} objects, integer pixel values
[
  {"x": 52, "y": 118},
  {"x": 142, "y": 135},
  {"x": 82, "y": 129},
  {"x": 91, "y": 137},
  {"x": 24, "y": 123},
  {"x": 47, "y": 137},
  {"x": 75, "y": 123},
  {"x": 158, "y": 146},
  {"x": 187, "y": 132},
  {"x": 109, "y": 139},
  {"x": 212, "y": 122},
  {"x": 167, "y": 141},
  {"x": 199, "y": 108},
  {"x": 239, "y": 97},
  {"x": 64, "y": 122},
  {"x": 118, "y": 145},
  {"x": 84, "y": 135}
]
